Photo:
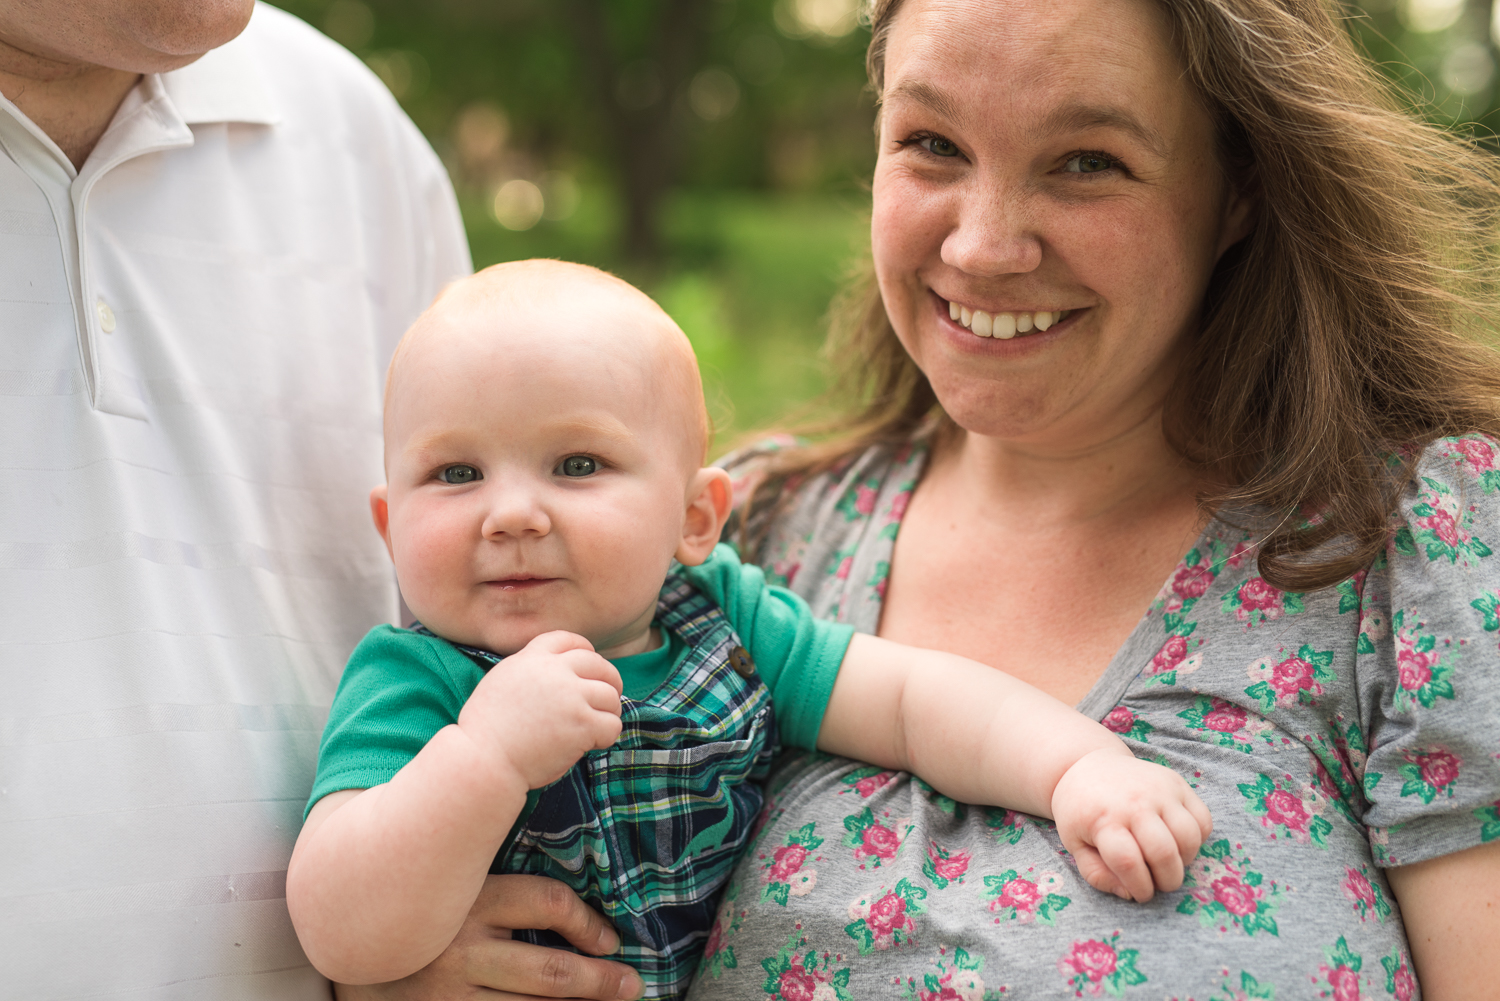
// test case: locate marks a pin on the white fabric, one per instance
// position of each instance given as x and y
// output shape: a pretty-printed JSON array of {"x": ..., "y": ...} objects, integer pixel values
[{"x": 186, "y": 557}]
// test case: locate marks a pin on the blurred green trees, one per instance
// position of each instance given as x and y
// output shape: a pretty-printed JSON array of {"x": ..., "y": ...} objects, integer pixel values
[{"x": 715, "y": 151}]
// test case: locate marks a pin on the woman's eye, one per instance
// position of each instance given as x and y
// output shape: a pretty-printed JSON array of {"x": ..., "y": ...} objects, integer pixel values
[
  {"x": 938, "y": 146},
  {"x": 578, "y": 465},
  {"x": 460, "y": 474},
  {"x": 1088, "y": 163}
]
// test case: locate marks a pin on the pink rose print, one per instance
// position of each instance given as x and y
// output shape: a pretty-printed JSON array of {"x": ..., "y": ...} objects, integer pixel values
[
  {"x": 1442, "y": 525},
  {"x": 1237, "y": 556},
  {"x": 1258, "y": 596},
  {"x": 785, "y": 874},
  {"x": 888, "y": 914},
  {"x": 1022, "y": 894},
  {"x": 955, "y": 977},
  {"x": 1171, "y": 660},
  {"x": 1415, "y": 669},
  {"x": 879, "y": 842},
  {"x": 1345, "y": 984},
  {"x": 1120, "y": 720},
  {"x": 1298, "y": 678},
  {"x": 1095, "y": 960},
  {"x": 1284, "y": 807},
  {"x": 797, "y": 984},
  {"x": 1223, "y": 890},
  {"x": 808, "y": 977},
  {"x": 1430, "y": 773},
  {"x": 1191, "y": 582},
  {"x": 1367, "y": 898},
  {"x": 867, "y": 786},
  {"x": 1293, "y": 676},
  {"x": 886, "y": 920},
  {"x": 1477, "y": 452},
  {"x": 1399, "y": 982},
  {"x": 844, "y": 566},
  {"x": 1225, "y": 717},
  {"x": 947, "y": 867},
  {"x": 1289, "y": 813},
  {"x": 864, "y": 499},
  {"x": 898, "y": 505},
  {"x": 788, "y": 860},
  {"x": 1237, "y": 898},
  {"x": 1098, "y": 966}
]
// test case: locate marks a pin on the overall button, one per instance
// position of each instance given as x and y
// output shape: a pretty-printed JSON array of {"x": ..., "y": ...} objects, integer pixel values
[
  {"x": 106, "y": 317},
  {"x": 739, "y": 659}
]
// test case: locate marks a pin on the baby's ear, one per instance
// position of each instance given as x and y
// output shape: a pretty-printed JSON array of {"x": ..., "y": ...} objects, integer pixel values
[
  {"x": 709, "y": 496},
  {"x": 380, "y": 513}
]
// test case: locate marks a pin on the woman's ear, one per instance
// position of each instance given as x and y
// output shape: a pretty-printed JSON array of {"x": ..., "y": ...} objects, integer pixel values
[
  {"x": 709, "y": 496},
  {"x": 380, "y": 513},
  {"x": 1240, "y": 211}
]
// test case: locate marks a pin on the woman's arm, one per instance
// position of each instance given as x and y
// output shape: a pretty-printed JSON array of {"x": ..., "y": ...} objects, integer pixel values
[
  {"x": 483, "y": 958},
  {"x": 980, "y": 736},
  {"x": 1451, "y": 908}
]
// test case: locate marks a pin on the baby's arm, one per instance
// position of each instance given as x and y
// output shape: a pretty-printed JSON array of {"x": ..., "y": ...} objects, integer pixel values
[
  {"x": 381, "y": 879},
  {"x": 980, "y": 736}
]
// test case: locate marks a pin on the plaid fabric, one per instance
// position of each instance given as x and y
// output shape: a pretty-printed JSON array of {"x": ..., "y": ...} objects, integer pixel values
[{"x": 648, "y": 831}]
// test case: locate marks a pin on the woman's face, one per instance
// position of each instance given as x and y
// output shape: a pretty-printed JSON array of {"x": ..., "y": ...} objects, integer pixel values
[{"x": 1045, "y": 157}]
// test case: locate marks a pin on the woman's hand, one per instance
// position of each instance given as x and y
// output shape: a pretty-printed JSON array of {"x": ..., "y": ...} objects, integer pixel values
[{"x": 484, "y": 960}]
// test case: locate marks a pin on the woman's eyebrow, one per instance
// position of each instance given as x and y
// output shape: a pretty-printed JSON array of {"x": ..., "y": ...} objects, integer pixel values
[
  {"x": 1082, "y": 117},
  {"x": 1067, "y": 118}
]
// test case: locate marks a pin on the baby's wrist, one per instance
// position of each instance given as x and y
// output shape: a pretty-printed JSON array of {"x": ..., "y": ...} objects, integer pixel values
[{"x": 486, "y": 761}]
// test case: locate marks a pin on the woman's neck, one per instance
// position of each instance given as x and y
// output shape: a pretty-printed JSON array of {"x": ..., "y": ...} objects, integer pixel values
[{"x": 1111, "y": 476}]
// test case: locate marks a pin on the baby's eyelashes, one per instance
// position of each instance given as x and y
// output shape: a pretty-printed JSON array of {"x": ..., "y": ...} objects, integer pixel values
[
  {"x": 460, "y": 473},
  {"x": 578, "y": 465}
]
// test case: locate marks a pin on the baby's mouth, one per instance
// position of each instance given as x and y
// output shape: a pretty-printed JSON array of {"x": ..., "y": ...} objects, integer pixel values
[
  {"x": 1004, "y": 326},
  {"x": 521, "y": 582}
]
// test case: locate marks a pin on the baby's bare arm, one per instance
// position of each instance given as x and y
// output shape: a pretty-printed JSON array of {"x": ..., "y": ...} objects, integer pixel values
[
  {"x": 381, "y": 879},
  {"x": 980, "y": 736}
]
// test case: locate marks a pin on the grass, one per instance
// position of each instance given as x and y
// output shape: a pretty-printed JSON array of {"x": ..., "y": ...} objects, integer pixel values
[{"x": 747, "y": 276}]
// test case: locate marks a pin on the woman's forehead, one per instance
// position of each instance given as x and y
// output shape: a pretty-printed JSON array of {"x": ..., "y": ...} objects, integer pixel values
[{"x": 1075, "y": 63}]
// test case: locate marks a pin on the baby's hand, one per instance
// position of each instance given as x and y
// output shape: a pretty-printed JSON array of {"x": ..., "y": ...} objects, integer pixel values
[
  {"x": 545, "y": 706},
  {"x": 1129, "y": 823}
]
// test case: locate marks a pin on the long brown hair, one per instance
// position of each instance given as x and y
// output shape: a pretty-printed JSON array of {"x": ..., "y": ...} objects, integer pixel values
[{"x": 1337, "y": 339}]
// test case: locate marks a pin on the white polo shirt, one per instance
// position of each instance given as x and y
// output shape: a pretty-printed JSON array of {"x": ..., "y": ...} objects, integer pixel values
[{"x": 194, "y": 330}]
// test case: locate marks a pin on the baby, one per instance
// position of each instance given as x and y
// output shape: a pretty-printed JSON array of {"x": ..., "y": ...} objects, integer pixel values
[{"x": 588, "y": 696}]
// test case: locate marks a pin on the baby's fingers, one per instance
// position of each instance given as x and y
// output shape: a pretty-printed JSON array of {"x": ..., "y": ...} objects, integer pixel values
[
  {"x": 1158, "y": 844},
  {"x": 1092, "y": 868},
  {"x": 1187, "y": 830},
  {"x": 1117, "y": 847}
]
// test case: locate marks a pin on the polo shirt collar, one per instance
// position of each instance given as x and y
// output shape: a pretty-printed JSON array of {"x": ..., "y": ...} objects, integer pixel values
[{"x": 224, "y": 85}]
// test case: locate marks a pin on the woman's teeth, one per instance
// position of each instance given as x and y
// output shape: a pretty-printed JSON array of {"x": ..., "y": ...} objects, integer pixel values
[{"x": 1005, "y": 325}]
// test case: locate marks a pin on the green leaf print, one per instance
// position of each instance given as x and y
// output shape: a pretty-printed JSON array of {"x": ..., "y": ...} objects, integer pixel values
[
  {"x": 1008, "y": 826},
  {"x": 1348, "y": 597},
  {"x": 1399, "y": 981},
  {"x": 1404, "y": 543},
  {"x": 1224, "y": 892},
  {"x": 1487, "y": 605},
  {"x": 1342, "y": 955},
  {"x": 790, "y": 977},
  {"x": 945, "y": 803},
  {"x": 1489, "y": 822},
  {"x": 884, "y": 919},
  {"x": 1429, "y": 773},
  {"x": 1287, "y": 812},
  {"x": 1250, "y": 989},
  {"x": 1016, "y": 898},
  {"x": 1364, "y": 645}
]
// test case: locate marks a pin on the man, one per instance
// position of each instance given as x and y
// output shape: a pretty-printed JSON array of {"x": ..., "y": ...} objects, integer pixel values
[{"x": 205, "y": 261}]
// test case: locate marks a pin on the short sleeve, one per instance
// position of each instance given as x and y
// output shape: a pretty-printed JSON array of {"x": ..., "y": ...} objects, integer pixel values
[
  {"x": 796, "y": 655},
  {"x": 1429, "y": 662},
  {"x": 399, "y": 689}
]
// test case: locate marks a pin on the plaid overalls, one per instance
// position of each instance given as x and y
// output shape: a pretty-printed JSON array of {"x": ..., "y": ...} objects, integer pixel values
[{"x": 648, "y": 831}]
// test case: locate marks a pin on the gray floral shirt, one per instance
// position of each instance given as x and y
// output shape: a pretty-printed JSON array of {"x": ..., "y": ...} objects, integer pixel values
[{"x": 1333, "y": 734}]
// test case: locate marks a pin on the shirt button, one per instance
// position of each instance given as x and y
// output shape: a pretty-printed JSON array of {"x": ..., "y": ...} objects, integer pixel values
[
  {"x": 739, "y": 659},
  {"x": 106, "y": 317}
]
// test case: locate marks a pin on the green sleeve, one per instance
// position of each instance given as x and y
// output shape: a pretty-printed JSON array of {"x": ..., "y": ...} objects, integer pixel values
[
  {"x": 797, "y": 656},
  {"x": 398, "y": 690}
]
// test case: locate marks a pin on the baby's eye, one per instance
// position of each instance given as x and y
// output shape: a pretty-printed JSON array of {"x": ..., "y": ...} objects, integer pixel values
[
  {"x": 1089, "y": 163},
  {"x": 578, "y": 465},
  {"x": 460, "y": 474}
]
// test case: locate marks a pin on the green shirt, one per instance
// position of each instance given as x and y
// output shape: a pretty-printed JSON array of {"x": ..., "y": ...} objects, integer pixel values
[{"x": 401, "y": 687}]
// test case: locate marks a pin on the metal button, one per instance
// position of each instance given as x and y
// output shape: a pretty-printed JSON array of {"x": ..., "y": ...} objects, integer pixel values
[
  {"x": 106, "y": 317},
  {"x": 739, "y": 659}
]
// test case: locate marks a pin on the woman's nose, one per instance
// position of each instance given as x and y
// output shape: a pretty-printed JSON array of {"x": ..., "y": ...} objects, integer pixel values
[
  {"x": 517, "y": 512},
  {"x": 993, "y": 231}
]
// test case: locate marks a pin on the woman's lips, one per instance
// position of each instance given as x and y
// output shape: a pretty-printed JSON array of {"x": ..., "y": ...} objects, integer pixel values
[{"x": 1003, "y": 326}]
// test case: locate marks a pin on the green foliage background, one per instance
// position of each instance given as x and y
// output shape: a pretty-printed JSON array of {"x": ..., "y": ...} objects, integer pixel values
[{"x": 740, "y": 131}]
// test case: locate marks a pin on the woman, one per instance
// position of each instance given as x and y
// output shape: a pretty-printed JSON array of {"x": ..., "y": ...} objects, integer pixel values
[{"x": 1151, "y": 277}]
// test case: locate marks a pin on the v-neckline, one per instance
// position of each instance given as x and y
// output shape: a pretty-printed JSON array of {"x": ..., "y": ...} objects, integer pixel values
[{"x": 1129, "y": 659}]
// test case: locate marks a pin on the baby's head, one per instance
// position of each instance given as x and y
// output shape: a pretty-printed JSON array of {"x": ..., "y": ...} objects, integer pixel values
[{"x": 544, "y": 441}]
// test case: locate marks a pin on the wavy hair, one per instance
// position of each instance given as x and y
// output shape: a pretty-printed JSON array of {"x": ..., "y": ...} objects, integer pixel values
[{"x": 1340, "y": 337}]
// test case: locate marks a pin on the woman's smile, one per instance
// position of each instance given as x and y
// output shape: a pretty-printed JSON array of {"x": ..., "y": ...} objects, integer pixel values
[{"x": 1002, "y": 324}]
